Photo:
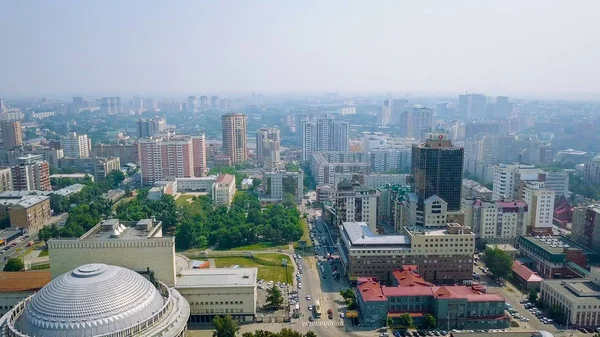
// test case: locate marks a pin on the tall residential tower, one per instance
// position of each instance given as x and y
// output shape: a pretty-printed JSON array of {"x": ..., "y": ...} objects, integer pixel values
[{"x": 234, "y": 137}]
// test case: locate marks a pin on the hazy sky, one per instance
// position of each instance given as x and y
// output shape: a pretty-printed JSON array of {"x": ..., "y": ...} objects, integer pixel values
[{"x": 123, "y": 47}]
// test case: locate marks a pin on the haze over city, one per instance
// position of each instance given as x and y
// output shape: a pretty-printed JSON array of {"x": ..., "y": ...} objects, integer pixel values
[{"x": 537, "y": 48}]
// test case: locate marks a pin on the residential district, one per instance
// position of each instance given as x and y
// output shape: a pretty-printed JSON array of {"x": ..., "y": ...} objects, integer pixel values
[{"x": 331, "y": 216}]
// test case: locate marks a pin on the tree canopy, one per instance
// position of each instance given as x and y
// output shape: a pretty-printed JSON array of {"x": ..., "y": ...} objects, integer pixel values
[
  {"x": 430, "y": 321},
  {"x": 498, "y": 262},
  {"x": 285, "y": 332},
  {"x": 225, "y": 326},
  {"x": 14, "y": 264},
  {"x": 405, "y": 320},
  {"x": 274, "y": 297}
]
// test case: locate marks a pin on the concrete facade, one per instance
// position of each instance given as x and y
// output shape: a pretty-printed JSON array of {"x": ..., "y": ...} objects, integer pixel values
[
  {"x": 31, "y": 212},
  {"x": 136, "y": 249},
  {"x": 278, "y": 183}
]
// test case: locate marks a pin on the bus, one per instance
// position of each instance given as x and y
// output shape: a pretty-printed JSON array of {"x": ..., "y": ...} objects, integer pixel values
[{"x": 317, "y": 309}]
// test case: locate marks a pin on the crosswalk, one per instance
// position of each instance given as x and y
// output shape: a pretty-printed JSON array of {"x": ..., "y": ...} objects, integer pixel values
[{"x": 323, "y": 323}]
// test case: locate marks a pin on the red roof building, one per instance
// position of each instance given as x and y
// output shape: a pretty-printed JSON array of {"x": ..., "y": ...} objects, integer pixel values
[
  {"x": 525, "y": 276},
  {"x": 563, "y": 211}
]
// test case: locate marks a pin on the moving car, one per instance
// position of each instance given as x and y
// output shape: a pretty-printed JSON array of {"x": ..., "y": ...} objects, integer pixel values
[{"x": 329, "y": 313}]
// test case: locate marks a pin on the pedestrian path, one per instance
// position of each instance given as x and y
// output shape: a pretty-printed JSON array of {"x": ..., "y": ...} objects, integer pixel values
[{"x": 323, "y": 323}]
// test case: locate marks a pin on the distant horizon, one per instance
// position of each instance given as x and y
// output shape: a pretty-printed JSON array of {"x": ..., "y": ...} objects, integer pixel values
[{"x": 537, "y": 48}]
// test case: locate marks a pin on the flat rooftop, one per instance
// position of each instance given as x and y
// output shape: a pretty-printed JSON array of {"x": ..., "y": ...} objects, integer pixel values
[
  {"x": 580, "y": 290},
  {"x": 555, "y": 244},
  {"x": 217, "y": 277},
  {"x": 359, "y": 233},
  {"x": 125, "y": 231}
]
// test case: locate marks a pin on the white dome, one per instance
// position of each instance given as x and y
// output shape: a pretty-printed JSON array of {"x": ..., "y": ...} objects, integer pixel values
[{"x": 94, "y": 299}]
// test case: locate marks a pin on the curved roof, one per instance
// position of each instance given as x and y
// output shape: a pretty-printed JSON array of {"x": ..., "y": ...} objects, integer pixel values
[{"x": 91, "y": 300}]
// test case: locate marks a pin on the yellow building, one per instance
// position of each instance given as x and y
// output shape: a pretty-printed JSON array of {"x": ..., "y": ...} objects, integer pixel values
[{"x": 31, "y": 212}]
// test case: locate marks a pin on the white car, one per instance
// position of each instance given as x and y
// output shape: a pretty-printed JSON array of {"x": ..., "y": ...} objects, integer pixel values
[
  {"x": 310, "y": 307},
  {"x": 299, "y": 285},
  {"x": 308, "y": 297}
]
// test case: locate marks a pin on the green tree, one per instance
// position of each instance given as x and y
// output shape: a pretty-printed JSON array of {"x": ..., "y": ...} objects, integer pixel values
[
  {"x": 498, "y": 262},
  {"x": 115, "y": 178},
  {"x": 557, "y": 314},
  {"x": 405, "y": 320},
  {"x": 225, "y": 326},
  {"x": 14, "y": 264},
  {"x": 274, "y": 297},
  {"x": 430, "y": 321},
  {"x": 533, "y": 296},
  {"x": 289, "y": 200},
  {"x": 287, "y": 332},
  {"x": 310, "y": 334}
]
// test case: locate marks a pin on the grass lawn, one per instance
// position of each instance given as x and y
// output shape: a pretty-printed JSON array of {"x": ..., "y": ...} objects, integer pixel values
[
  {"x": 183, "y": 199},
  {"x": 122, "y": 200},
  {"x": 43, "y": 253},
  {"x": 306, "y": 232},
  {"x": 269, "y": 273}
]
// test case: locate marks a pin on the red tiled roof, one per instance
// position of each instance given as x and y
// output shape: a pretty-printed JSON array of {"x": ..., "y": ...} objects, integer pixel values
[
  {"x": 370, "y": 291},
  {"x": 469, "y": 293},
  {"x": 407, "y": 291},
  {"x": 24, "y": 280},
  {"x": 408, "y": 278},
  {"x": 525, "y": 273},
  {"x": 225, "y": 178}
]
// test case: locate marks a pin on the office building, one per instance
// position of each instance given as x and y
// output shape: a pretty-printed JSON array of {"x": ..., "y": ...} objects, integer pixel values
[
  {"x": 472, "y": 106},
  {"x": 199, "y": 152},
  {"x": 100, "y": 300},
  {"x": 97, "y": 167},
  {"x": 214, "y": 103},
  {"x": 484, "y": 151},
  {"x": 585, "y": 228},
  {"x": 279, "y": 183},
  {"x": 558, "y": 182},
  {"x": 323, "y": 134},
  {"x": 592, "y": 171},
  {"x": 498, "y": 222},
  {"x": 6, "y": 179},
  {"x": 216, "y": 291},
  {"x": 151, "y": 127},
  {"x": 166, "y": 159},
  {"x": 437, "y": 169},
  {"x": 556, "y": 256},
  {"x": 457, "y": 307},
  {"x": 355, "y": 203},
  {"x": 373, "y": 180},
  {"x": 416, "y": 122},
  {"x": 31, "y": 173},
  {"x": 234, "y": 137},
  {"x": 223, "y": 190},
  {"x": 31, "y": 212},
  {"x": 192, "y": 104},
  {"x": 540, "y": 201},
  {"x": 127, "y": 153},
  {"x": 12, "y": 136},
  {"x": 443, "y": 255},
  {"x": 268, "y": 148},
  {"x": 76, "y": 145}
]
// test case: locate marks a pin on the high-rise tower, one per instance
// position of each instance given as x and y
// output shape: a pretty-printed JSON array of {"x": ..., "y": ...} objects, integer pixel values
[{"x": 234, "y": 137}]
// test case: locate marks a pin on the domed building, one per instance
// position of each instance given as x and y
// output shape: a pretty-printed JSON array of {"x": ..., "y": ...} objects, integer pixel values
[{"x": 99, "y": 300}]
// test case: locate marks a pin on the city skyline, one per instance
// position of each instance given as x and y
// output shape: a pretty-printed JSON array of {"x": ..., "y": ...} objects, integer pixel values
[{"x": 506, "y": 48}]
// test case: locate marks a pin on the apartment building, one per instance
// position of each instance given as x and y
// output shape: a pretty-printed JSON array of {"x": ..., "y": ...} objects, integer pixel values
[
  {"x": 76, "y": 146},
  {"x": 356, "y": 203},
  {"x": 325, "y": 165},
  {"x": 473, "y": 189},
  {"x": 12, "y": 135},
  {"x": 223, "y": 190},
  {"x": 443, "y": 255},
  {"x": 323, "y": 134},
  {"x": 373, "y": 180},
  {"x": 585, "y": 227},
  {"x": 31, "y": 212},
  {"x": 497, "y": 222},
  {"x": 268, "y": 147},
  {"x": 165, "y": 159},
  {"x": 31, "y": 173},
  {"x": 234, "y": 137},
  {"x": 199, "y": 152},
  {"x": 6, "y": 183},
  {"x": 540, "y": 201}
]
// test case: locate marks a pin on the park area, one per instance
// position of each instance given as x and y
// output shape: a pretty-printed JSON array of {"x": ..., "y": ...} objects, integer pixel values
[{"x": 269, "y": 265}]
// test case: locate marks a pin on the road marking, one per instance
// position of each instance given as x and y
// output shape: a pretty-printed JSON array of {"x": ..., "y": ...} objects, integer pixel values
[{"x": 323, "y": 323}]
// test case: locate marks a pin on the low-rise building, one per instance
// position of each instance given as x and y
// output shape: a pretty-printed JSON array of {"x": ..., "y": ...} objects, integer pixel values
[
  {"x": 373, "y": 180},
  {"x": 137, "y": 246},
  {"x": 196, "y": 184},
  {"x": 223, "y": 190},
  {"x": 325, "y": 165},
  {"x": 556, "y": 256},
  {"x": 31, "y": 212},
  {"x": 458, "y": 307},
  {"x": 219, "y": 291},
  {"x": 508, "y": 249},
  {"x": 443, "y": 255},
  {"x": 325, "y": 192},
  {"x": 525, "y": 277},
  {"x": 98, "y": 167},
  {"x": 73, "y": 176},
  {"x": 17, "y": 286},
  {"x": 6, "y": 179},
  {"x": 578, "y": 299},
  {"x": 247, "y": 183}
]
